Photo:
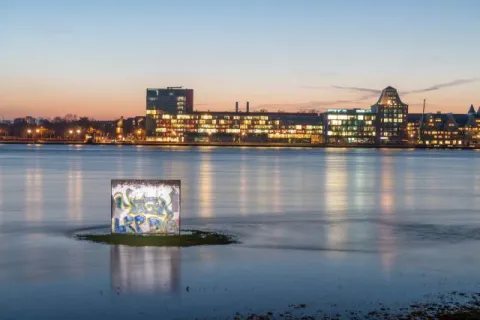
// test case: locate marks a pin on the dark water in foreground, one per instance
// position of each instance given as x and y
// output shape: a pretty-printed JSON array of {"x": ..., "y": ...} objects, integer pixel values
[{"x": 332, "y": 229}]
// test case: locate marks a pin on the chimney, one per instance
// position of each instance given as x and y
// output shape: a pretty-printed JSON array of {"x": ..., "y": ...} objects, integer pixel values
[
  {"x": 248, "y": 107},
  {"x": 236, "y": 107}
]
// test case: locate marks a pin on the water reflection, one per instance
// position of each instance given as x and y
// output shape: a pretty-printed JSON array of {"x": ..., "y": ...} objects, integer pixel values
[
  {"x": 336, "y": 201},
  {"x": 387, "y": 235},
  {"x": 75, "y": 190},
  {"x": 360, "y": 184},
  {"x": 205, "y": 185},
  {"x": 139, "y": 165},
  {"x": 263, "y": 201},
  {"x": 243, "y": 187},
  {"x": 34, "y": 194},
  {"x": 1, "y": 195},
  {"x": 277, "y": 182},
  {"x": 144, "y": 269}
]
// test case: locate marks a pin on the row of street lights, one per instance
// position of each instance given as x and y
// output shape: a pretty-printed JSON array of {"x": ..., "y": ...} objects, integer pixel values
[
  {"x": 72, "y": 133},
  {"x": 39, "y": 132}
]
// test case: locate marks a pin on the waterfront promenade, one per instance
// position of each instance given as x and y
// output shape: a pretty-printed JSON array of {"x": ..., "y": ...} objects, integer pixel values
[{"x": 233, "y": 144}]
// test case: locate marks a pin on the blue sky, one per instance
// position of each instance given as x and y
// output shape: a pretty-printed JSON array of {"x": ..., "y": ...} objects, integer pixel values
[{"x": 96, "y": 58}]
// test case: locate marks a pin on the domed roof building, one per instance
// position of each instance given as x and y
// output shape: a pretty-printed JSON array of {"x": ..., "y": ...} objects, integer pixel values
[{"x": 392, "y": 117}]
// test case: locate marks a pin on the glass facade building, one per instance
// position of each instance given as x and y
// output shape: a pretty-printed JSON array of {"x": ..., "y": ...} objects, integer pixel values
[
  {"x": 239, "y": 127},
  {"x": 354, "y": 126},
  {"x": 171, "y": 100}
]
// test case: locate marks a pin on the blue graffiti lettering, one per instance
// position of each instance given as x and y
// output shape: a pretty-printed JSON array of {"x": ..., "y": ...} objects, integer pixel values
[
  {"x": 118, "y": 227},
  {"x": 128, "y": 223},
  {"x": 138, "y": 221}
]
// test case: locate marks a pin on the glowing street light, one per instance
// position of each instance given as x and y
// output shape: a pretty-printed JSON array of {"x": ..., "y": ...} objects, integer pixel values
[
  {"x": 37, "y": 131},
  {"x": 70, "y": 131},
  {"x": 29, "y": 131},
  {"x": 78, "y": 130}
]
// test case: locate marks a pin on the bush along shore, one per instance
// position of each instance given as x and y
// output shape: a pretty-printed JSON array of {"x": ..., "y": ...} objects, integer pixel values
[{"x": 187, "y": 238}]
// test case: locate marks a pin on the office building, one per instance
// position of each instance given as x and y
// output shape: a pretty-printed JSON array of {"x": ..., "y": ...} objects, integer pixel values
[
  {"x": 352, "y": 126},
  {"x": 171, "y": 100},
  {"x": 239, "y": 127},
  {"x": 391, "y": 118}
]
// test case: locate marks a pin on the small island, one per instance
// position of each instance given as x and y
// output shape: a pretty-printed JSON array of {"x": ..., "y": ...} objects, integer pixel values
[{"x": 187, "y": 238}]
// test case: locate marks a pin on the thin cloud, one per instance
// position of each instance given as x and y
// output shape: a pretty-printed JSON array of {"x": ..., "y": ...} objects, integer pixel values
[
  {"x": 313, "y": 87},
  {"x": 369, "y": 94},
  {"x": 372, "y": 91},
  {"x": 444, "y": 85},
  {"x": 310, "y": 105},
  {"x": 431, "y": 88}
]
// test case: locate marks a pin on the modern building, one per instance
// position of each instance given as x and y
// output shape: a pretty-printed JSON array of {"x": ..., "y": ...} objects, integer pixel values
[
  {"x": 391, "y": 117},
  {"x": 239, "y": 127},
  {"x": 171, "y": 118},
  {"x": 349, "y": 126},
  {"x": 170, "y": 100}
]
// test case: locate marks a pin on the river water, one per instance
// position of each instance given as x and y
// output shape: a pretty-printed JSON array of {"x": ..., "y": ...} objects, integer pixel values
[{"x": 334, "y": 229}]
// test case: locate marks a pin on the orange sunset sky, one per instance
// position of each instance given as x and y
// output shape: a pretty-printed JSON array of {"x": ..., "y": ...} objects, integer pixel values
[{"x": 97, "y": 58}]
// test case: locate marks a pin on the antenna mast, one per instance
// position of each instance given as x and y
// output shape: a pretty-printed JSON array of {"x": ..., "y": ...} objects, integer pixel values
[{"x": 421, "y": 121}]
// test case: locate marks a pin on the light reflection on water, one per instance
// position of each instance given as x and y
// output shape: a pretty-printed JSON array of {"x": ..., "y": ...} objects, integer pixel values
[
  {"x": 75, "y": 190},
  {"x": 343, "y": 212},
  {"x": 144, "y": 269},
  {"x": 206, "y": 186},
  {"x": 336, "y": 201},
  {"x": 34, "y": 193}
]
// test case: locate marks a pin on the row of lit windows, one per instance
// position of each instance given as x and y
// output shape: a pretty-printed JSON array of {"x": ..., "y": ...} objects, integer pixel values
[
  {"x": 207, "y": 116},
  {"x": 350, "y": 117},
  {"x": 350, "y": 133},
  {"x": 392, "y": 120},
  {"x": 288, "y": 136},
  {"x": 351, "y": 128},
  {"x": 446, "y": 142},
  {"x": 347, "y": 122}
]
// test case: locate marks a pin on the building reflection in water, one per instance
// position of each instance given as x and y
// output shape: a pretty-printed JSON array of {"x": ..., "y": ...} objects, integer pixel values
[
  {"x": 336, "y": 200},
  {"x": 387, "y": 232},
  {"x": 34, "y": 193},
  {"x": 408, "y": 187},
  {"x": 205, "y": 185},
  {"x": 145, "y": 269},
  {"x": 243, "y": 186},
  {"x": 277, "y": 185},
  {"x": 139, "y": 163},
  {"x": 262, "y": 188},
  {"x": 1, "y": 195},
  {"x": 75, "y": 190},
  {"x": 360, "y": 183}
]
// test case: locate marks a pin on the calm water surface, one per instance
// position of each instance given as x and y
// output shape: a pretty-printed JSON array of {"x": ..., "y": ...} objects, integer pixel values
[{"x": 333, "y": 229}]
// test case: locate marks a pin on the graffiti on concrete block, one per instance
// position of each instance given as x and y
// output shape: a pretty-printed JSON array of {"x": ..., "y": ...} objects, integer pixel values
[{"x": 146, "y": 206}]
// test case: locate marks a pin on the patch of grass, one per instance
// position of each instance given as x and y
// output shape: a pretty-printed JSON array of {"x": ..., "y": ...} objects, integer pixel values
[{"x": 193, "y": 238}]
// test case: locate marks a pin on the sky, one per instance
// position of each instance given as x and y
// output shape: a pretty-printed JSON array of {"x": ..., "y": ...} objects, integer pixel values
[{"x": 97, "y": 57}]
